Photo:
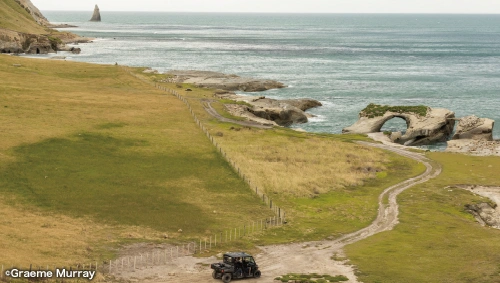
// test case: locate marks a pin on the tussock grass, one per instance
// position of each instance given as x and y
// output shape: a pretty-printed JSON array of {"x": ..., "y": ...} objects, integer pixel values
[
  {"x": 91, "y": 143},
  {"x": 14, "y": 17},
  {"x": 299, "y": 165},
  {"x": 327, "y": 184},
  {"x": 436, "y": 240}
]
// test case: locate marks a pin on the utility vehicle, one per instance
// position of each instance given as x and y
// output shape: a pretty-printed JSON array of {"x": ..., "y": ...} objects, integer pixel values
[{"x": 235, "y": 265}]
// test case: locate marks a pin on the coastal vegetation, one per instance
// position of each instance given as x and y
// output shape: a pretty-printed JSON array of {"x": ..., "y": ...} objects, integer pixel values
[
  {"x": 92, "y": 159},
  {"x": 94, "y": 146},
  {"x": 14, "y": 17},
  {"x": 120, "y": 162},
  {"x": 82, "y": 141},
  {"x": 436, "y": 239},
  {"x": 375, "y": 110}
]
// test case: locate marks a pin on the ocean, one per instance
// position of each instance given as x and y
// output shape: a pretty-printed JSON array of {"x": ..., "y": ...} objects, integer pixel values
[{"x": 346, "y": 61}]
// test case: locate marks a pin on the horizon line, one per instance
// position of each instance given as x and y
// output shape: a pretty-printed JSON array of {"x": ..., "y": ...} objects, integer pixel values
[{"x": 270, "y": 12}]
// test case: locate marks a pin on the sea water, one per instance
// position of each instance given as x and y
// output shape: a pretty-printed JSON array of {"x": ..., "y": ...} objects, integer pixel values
[{"x": 346, "y": 61}]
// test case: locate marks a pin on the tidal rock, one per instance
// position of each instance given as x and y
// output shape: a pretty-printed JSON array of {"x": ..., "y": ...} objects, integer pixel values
[
  {"x": 279, "y": 112},
  {"x": 96, "y": 17},
  {"x": 472, "y": 127},
  {"x": 302, "y": 104},
  {"x": 425, "y": 125},
  {"x": 221, "y": 81}
]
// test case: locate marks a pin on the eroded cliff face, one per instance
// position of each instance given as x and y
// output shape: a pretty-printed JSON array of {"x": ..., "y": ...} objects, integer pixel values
[
  {"x": 34, "y": 12},
  {"x": 12, "y": 42},
  {"x": 17, "y": 42},
  {"x": 425, "y": 125}
]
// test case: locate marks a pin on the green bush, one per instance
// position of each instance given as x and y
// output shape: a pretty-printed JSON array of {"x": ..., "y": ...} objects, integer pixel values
[{"x": 375, "y": 110}]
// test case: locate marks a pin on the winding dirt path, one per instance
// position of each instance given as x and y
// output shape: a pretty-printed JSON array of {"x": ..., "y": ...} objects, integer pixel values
[{"x": 306, "y": 257}]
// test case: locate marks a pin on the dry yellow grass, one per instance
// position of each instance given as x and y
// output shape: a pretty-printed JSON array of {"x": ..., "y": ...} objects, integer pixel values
[
  {"x": 290, "y": 163},
  {"x": 47, "y": 103},
  {"x": 14, "y": 17},
  {"x": 31, "y": 236},
  {"x": 283, "y": 161},
  {"x": 300, "y": 166}
]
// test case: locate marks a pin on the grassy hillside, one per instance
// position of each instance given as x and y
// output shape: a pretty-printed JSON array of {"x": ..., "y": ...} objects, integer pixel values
[
  {"x": 14, "y": 17},
  {"x": 327, "y": 184},
  {"x": 95, "y": 146},
  {"x": 436, "y": 241},
  {"x": 120, "y": 161}
]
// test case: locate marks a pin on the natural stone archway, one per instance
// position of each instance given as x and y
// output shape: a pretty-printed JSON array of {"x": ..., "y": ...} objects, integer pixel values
[
  {"x": 395, "y": 125},
  {"x": 425, "y": 125}
]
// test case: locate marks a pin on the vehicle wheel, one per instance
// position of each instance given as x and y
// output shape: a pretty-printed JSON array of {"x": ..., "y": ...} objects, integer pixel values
[
  {"x": 256, "y": 274},
  {"x": 227, "y": 277},
  {"x": 214, "y": 275}
]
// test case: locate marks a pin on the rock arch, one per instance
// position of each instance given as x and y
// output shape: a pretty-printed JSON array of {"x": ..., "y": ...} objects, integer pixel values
[{"x": 425, "y": 125}]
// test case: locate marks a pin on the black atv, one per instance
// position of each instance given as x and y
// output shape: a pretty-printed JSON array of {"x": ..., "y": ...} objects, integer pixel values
[{"x": 235, "y": 266}]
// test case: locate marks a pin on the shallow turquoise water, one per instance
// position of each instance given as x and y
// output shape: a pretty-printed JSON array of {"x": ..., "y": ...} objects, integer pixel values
[{"x": 344, "y": 60}]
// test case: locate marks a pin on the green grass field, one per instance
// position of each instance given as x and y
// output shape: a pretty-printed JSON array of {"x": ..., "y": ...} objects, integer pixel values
[
  {"x": 436, "y": 240},
  {"x": 92, "y": 142},
  {"x": 93, "y": 158}
]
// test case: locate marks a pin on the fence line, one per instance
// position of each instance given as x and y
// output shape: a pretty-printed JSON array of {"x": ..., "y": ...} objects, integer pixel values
[
  {"x": 268, "y": 201},
  {"x": 205, "y": 243},
  {"x": 162, "y": 257}
]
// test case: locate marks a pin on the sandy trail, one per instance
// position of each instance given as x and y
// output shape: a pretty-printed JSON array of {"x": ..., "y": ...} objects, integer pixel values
[{"x": 306, "y": 257}]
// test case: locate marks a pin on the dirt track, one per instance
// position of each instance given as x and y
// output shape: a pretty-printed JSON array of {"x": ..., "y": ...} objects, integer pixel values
[{"x": 298, "y": 257}]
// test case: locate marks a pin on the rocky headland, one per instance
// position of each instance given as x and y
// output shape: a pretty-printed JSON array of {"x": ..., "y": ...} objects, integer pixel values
[
  {"x": 47, "y": 41},
  {"x": 258, "y": 109},
  {"x": 425, "y": 125},
  {"x": 221, "y": 81},
  {"x": 264, "y": 110}
]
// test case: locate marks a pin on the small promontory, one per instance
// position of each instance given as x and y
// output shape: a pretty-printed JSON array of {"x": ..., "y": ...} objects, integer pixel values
[
  {"x": 221, "y": 81},
  {"x": 23, "y": 29},
  {"x": 269, "y": 111},
  {"x": 425, "y": 125}
]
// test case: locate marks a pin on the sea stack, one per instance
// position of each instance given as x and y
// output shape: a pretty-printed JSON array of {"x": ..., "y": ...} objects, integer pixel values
[{"x": 96, "y": 17}]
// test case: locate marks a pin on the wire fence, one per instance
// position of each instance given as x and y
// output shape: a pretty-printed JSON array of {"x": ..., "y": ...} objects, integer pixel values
[
  {"x": 279, "y": 212},
  {"x": 164, "y": 256}
]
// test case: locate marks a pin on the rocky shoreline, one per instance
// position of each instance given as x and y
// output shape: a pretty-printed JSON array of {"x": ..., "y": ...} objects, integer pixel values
[
  {"x": 258, "y": 109},
  {"x": 221, "y": 81},
  {"x": 426, "y": 125}
]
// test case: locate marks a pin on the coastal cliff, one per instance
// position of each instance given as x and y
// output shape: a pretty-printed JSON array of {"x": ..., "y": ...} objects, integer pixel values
[
  {"x": 34, "y": 12},
  {"x": 23, "y": 29}
]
